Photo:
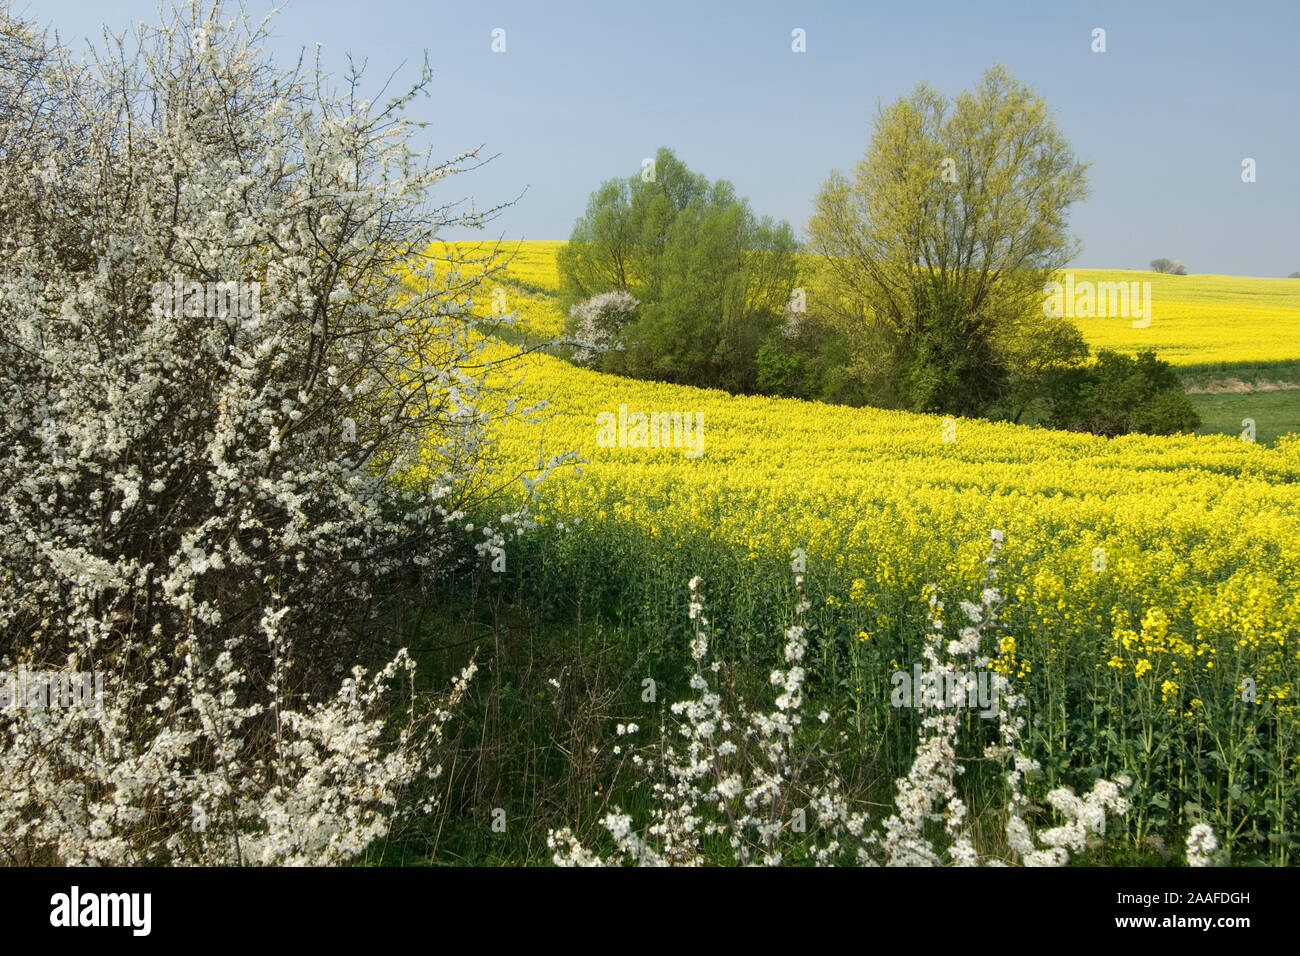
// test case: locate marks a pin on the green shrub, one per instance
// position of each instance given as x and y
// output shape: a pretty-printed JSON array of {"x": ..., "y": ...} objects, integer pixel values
[{"x": 1119, "y": 394}]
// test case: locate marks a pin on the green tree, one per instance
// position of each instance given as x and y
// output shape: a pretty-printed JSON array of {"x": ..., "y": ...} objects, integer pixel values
[
  {"x": 1038, "y": 352},
  {"x": 944, "y": 238},
  {"x": 711, "y": 276}
]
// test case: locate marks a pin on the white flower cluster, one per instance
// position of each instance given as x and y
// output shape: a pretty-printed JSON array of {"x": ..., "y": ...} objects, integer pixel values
[
  {"x": 1201, "y": 844},
  {"x": 598, "y": 322},
  {"x": 775, "y": 807},
  {"x": 710, "y": 786},
  {"x": 205, "y": 507}
]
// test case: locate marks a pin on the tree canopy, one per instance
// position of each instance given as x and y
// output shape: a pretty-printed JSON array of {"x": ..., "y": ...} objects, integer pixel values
[
  {"x": 711, "y": 277},
  {"x": 943, "y": 239}
]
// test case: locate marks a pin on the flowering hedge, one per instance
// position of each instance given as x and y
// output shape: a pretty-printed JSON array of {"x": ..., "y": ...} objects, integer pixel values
[{"x": 231, "y": 424}]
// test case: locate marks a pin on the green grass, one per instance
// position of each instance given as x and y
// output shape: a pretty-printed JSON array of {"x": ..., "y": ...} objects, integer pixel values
[{"x": 1275, "y": 413}]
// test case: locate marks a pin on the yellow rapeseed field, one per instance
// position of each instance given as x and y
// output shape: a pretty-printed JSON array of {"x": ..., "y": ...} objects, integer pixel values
[
  {"x": 1202, "y": 530},
  {"x": 1203, "y": 318},
  {"x": 1153, "y": 583},
  {"x": 1205, "y": 530}
]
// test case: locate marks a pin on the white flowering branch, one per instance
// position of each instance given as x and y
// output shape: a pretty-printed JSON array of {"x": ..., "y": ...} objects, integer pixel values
[{"x": 710, "y": 790}]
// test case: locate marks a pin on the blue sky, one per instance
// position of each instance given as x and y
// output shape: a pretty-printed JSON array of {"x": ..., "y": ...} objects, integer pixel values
[{"x": 584, "y": 91}]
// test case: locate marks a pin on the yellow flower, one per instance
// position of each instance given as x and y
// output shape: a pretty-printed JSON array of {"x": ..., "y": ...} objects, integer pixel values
[{"x": 874, "y": 494}]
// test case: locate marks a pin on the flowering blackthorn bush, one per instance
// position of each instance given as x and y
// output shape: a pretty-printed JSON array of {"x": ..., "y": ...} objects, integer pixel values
[
  {"x": 764, "y": 781},
  {"x": 598, "y": 324},
  {"x": 241, "y": 406}
]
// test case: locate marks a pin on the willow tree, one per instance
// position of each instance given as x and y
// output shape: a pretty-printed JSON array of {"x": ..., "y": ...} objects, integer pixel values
[{"x": 943, "y": 240}]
